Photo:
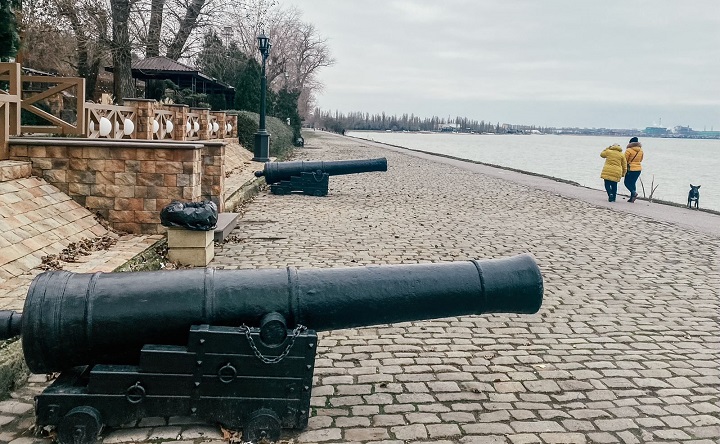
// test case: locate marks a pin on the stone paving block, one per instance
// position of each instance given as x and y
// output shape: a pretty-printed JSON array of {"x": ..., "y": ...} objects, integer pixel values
[
  {"x": 624, "y": 343},
  {"x": 126, "y": 435},
  {"x": 365, "y": 434}
]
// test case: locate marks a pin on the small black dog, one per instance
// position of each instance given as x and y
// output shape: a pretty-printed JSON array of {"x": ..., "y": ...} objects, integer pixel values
[{"x": 694, "y": 195}]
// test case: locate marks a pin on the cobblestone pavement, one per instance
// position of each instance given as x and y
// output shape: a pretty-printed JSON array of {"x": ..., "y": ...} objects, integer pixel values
[{"x": 626, "y": 348}]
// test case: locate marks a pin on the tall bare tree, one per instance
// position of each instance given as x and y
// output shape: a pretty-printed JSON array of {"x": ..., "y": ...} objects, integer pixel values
[
  {"x": 298, "y": 51},
  {"x": 121, "y": 50},
  {"x": 187, "y": 25},
  {"x": 89, "y": 21},
  {"x": 152, "y": 46}
]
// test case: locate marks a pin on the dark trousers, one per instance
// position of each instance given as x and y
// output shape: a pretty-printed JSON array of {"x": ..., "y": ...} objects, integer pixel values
[
  {"x": 630, "y": 178},
  {"x": 611, "y": 188}
]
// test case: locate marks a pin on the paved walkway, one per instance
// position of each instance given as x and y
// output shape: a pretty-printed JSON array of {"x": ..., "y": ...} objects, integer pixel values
[{"x": 626, "y": 348}]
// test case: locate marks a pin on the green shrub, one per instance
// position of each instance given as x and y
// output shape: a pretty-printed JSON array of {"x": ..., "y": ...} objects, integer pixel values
[
  {"x": 246, "y": 128},
  {"x": 28, "y": 118},
  {"x": 281, "y": 135}
]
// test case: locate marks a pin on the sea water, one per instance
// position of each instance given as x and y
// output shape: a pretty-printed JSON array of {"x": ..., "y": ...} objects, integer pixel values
[{"x": 669, "y": 165}]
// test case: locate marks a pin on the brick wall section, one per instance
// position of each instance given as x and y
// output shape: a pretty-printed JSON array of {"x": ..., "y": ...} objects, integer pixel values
[
  {"x": 180, "y": 120},
  {"x": 232, "y": 119},
  {"x": 14, "y": 169},
  {"x": 145, "y": 115},
  {"x": 221, "y": 120},
  {"x": 127, "y": 182},
  {"x": 213, "y": 173},
  {"x": 204, "y": 121}
]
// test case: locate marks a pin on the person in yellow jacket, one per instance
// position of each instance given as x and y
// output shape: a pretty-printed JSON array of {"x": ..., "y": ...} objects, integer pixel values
[
  {"x": 615, "y": 167},
  {"x": 634, "y": 157}
]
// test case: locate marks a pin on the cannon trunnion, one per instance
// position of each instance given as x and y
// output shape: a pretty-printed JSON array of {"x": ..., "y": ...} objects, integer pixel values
[
  {"x": 312, "y": 177},
  {"x": 235, "y": 347}
]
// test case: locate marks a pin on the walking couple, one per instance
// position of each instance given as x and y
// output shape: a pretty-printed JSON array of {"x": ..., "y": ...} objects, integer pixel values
[{"x": 619, "y": 164}]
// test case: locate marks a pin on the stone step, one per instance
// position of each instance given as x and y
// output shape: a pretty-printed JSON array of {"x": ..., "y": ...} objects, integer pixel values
[
  {"x": 225, "y": 224},
  {"x": 14, "y": 169}
]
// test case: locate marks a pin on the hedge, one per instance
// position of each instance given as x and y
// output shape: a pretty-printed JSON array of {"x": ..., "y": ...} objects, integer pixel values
[{"x": 281, "y": 135}]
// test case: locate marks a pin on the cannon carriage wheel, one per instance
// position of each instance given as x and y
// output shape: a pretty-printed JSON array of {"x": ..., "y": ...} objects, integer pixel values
[
  {"x": 280, "y": 191},
  {"x": 81, "y": 425},
  {"x": 261, "y": 424}
]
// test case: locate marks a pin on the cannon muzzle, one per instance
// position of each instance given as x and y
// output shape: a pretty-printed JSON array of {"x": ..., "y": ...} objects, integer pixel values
[
  {"x": 278, "y": 171},
  {"x": 73, "y": 319}
]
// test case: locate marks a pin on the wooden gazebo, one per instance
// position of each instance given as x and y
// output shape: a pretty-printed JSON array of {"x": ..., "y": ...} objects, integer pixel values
[{"x": 184, "y": 76}]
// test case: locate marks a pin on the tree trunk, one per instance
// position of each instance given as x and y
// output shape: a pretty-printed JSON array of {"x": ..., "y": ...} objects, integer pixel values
[
  {"x": 122, "y": 72},
  {"x": 87, "y": 67},
  {"x": 186, "y": 27},
  {"x": 152, "y": 48}
]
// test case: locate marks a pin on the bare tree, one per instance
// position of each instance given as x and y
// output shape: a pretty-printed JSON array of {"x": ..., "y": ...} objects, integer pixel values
[
  {"x": 89, "y": 21},
  {"x": 187, "y": 25},
  {"x": 298, "y": 51},
  {"x": 67, "y": 37},
  {"x": 152, "y": 46},
  {"x": 310, "y": 54},
  {"x": 45, "y": 39},
  {"x": 121, "y": 50}
]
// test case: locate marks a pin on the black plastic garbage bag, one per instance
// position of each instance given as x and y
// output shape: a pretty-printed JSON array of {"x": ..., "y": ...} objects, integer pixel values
[{"x": 199, "y": 216}]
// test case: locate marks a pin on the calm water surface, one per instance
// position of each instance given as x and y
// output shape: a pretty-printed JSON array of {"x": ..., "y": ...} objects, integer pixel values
[{"x": 673, "y": 164}]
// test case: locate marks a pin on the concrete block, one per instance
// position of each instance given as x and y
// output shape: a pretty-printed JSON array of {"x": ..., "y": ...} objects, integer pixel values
[
  {"x": 225, "y": 224},
  {"x": 197, "y": 257},
  {"x": 182, "y": 238}
]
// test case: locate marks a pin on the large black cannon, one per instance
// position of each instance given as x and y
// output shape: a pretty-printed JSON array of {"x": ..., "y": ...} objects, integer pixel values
[
  {"x": 312, "y": 177},
  {"x": 235, "y": 347}
]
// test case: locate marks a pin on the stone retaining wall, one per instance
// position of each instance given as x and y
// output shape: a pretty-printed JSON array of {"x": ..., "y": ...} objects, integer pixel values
[{"x": 127, "y": 182}]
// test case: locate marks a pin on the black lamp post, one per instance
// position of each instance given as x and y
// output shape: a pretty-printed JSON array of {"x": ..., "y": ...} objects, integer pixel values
[{"x": 262, "y": 137}]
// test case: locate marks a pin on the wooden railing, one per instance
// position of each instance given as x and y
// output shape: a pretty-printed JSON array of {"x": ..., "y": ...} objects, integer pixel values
[
  {"x": 109, "y": 121},
  {"x": 138, "y": 119},
  {"x": 8, "y": 109},
  {"x": 9, "y": 105},
  {"x": 59, "y": 88}
]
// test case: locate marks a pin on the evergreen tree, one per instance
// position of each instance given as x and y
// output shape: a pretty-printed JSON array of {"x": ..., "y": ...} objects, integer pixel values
[
  {"x": 286, "y": 107},
  {"x": 247, "y": 88},
  {"x": 225, "y": 63},
  {"x": 9, "y": 36}
]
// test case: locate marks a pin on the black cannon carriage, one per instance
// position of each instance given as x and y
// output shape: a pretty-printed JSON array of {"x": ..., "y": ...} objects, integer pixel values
[
  {"x": 235, "y": 347},
  {"x": 313, "y": 177}
]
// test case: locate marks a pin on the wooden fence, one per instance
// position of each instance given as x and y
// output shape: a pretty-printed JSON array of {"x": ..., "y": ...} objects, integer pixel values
[{"x": 137, "y": 119}]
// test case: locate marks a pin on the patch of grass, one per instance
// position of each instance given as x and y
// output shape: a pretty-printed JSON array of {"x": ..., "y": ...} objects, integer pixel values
[{"x": 281, "y": 135}]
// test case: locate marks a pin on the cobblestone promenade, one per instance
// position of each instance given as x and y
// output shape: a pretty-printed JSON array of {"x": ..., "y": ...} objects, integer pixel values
[{"x": 626, "y": 348}]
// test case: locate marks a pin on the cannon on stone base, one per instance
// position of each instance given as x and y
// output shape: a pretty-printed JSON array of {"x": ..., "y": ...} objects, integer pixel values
[
  {"x": 313, "y": 177},
  {"x": 236, "y": 347}
]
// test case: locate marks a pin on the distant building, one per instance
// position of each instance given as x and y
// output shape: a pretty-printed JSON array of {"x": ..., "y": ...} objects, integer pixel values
[
  {"x": 655, "y": 131},
  {"x": 683, "y": 130},
  {"x": 448, "y": 127}
]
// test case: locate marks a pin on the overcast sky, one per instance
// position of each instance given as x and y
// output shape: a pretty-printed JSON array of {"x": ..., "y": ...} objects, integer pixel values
[{"x": 600, "y": 63}]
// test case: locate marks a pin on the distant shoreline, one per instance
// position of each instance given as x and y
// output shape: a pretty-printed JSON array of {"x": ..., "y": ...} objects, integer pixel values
[{"x": 608, "y": 134}]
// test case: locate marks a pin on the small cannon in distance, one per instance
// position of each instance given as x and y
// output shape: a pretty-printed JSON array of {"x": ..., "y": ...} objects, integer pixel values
[
  {"x": 312, "y": 177},
  {"x": 177, "y": 343}
]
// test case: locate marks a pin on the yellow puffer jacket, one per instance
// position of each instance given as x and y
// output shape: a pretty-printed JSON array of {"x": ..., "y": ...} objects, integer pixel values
[
  {"x": 633, "y": 156},
  {"x": 615, "y": 163}
]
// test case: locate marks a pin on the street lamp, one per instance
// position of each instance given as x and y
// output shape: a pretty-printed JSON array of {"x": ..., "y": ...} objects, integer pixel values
[{"x": 262, "y": 137}]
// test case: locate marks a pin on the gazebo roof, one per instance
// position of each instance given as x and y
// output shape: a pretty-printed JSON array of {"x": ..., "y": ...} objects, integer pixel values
[{"x": 162, "y": 68}]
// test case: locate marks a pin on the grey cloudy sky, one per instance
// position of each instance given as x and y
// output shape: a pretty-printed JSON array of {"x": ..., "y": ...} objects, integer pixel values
[{"x": 600, "y": 63}]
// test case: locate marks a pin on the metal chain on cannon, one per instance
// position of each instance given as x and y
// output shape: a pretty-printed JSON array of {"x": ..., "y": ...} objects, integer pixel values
[{"x": 296, "y": 332}]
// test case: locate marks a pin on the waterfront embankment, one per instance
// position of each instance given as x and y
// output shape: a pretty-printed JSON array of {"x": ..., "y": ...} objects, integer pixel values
[
  {"x": 625, "y": 348},
  {"x": 669, "y": 165}
]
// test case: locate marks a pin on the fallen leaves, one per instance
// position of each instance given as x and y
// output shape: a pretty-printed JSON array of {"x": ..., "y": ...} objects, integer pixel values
[{"x": 75, "y": 250}]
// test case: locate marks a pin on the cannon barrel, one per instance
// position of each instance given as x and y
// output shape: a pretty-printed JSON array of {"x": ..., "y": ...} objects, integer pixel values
[
  {"x": 276, "y": 171},
  {"x": 72, "y": 319}
]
